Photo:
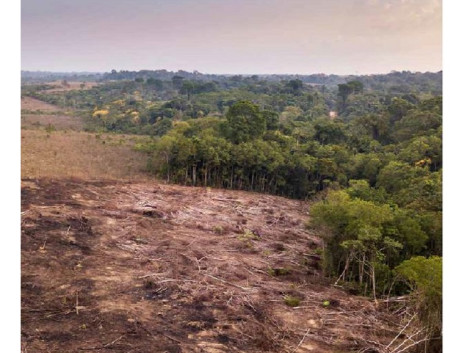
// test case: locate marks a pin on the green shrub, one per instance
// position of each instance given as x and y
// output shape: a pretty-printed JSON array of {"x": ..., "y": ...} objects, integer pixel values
[{"x": 291, "y": 301}]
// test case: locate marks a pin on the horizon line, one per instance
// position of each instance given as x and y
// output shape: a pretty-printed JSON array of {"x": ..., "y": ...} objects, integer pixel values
[{"x": 231, "y": 74}]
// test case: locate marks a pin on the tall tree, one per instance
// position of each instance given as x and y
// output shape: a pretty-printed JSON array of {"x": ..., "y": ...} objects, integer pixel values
[{"x": 245, "y": 122}]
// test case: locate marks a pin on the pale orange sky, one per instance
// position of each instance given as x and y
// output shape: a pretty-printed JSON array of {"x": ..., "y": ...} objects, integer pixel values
[{"x": 233, "y": 36}]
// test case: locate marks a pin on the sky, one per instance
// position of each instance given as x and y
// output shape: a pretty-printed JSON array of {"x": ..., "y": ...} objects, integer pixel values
[{"x": 232, "y": 36}]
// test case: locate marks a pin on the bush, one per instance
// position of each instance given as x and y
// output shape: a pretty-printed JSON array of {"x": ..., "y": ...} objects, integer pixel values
[{"x": 291, "y": 301}]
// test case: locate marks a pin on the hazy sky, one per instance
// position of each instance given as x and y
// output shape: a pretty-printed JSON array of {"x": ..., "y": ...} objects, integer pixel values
[{"x": 233, "y": 36}]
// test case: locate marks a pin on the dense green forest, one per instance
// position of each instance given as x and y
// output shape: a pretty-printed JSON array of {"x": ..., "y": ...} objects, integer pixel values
[{"x": 366, "y": 149}]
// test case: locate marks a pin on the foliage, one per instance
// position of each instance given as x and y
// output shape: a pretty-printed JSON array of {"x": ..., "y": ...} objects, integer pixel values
[
  {"x": 245, "y": 122},
  {"x": 424, "y": 278},
  {"x": 291, "y": 301}
]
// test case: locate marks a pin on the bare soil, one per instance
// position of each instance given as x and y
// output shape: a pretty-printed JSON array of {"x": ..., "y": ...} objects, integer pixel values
[{"x": 147, "y": 267}]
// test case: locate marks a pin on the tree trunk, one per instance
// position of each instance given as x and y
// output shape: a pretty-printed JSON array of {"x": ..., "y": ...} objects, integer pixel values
[
  {"x": 168, "y": 168},
  {"x": 343, "y": 274},
  {"x": 372, "y": 274},
  {"x": 361, "y": 269},
  {"x": 231, "y": 179}
]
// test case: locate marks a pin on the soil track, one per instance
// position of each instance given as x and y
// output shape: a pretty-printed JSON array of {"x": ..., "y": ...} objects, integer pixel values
[
  {"x": 33, "y": 104},
  {"x": 36, "y": 114},
  {"x": 146, "y": 267}
]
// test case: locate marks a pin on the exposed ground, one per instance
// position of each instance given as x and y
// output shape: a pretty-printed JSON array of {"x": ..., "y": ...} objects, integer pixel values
[
  {"x": 139, "y": 266},
  {"x": 146, "y": 267}
]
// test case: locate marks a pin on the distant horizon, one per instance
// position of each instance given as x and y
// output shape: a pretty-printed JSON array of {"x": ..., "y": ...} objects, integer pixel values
[{"x": 232, "y": 74}]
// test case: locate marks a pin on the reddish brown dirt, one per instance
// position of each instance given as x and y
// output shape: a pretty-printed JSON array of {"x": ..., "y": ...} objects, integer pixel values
[{"x": 146, "y": 267}]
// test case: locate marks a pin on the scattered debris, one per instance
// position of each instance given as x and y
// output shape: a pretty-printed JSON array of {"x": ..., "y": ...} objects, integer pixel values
[{"x": 141, "y": 267}]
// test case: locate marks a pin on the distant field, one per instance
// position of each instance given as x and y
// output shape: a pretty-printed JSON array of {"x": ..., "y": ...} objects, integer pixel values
[
  {"x": 53, "y": 145},
  {"x": 81, "y": 155},
  {"x": 33, "y": 104},
  {"x": 71, "y": 85},
  {"x": 58, "y": 122}
]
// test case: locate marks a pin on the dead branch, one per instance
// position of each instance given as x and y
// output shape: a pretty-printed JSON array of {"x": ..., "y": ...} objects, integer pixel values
[
  {"x": 411, "y": 345},
  {"x": 394, "y": 299},
  {"x": 408, "y": 338},
  {"x": 302, "y": 340},
  {"x": 101, "y": 347},
  {"x": 149, "y": 275},
  {"x": 113, "y": 342},
  {"x": 176, "y": 280},
  {"x": 403, "y": 329},
  {"x": 226, "y": 282}
]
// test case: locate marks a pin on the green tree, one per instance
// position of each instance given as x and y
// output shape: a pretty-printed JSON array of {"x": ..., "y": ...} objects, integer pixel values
[
  {"x": 424, "y": 278},
  {"x": 245, "y": 122},
  {"x": 357, "y": 236}
]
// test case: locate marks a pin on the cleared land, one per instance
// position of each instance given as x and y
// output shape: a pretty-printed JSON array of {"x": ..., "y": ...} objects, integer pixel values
[
  {"x": 33, "y": 104},
  {"x": 146, "y": 267},
  {"x": 36, "y": 114},
  {"x": 115, "y": 261},
  {"x": 71, "y": 85},
  {"x": 57, "y": 122}
]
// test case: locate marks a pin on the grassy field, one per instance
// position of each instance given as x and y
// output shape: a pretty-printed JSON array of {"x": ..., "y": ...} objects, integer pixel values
[
  {"x": 80, "y": 154},
  {"x": 55, "y": 121},
  {"x": 33, "y": 104},
  {"x": 53, "y": 144}
]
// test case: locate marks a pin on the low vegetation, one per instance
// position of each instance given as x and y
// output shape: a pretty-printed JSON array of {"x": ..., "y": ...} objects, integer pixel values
[{"x": 80, "y": 154}]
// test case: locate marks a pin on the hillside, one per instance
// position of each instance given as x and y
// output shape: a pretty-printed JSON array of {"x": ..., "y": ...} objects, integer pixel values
[
  {"x": 148, "y": 267},
  {"x": 113, "y": 259}
]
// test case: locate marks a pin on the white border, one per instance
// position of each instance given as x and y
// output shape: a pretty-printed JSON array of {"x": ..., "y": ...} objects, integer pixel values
[
  {"x": 456, "y": 62},
  {"x": 10, "y": 303},
  {"x": 456, "y": 169}
]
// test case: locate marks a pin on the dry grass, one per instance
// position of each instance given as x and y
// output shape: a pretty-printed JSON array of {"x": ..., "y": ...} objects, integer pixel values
[
  {"x": 37, "y": 114},
  {"x": 29, "y": 103},
  {"x": 82, "y": 155},
  {"x": 71, "y": 85},
  {"x": 59, "y": 122}
]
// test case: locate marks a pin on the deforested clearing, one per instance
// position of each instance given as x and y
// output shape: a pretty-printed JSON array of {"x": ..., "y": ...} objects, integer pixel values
[
  {"x": 151, "y": 267},
  {"x": 176, "y": 215}
]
